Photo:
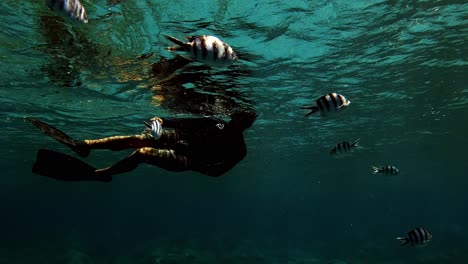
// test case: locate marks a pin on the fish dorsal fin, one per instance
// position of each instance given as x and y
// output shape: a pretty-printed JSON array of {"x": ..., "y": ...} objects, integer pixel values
[{"x": 191, "y": 38}]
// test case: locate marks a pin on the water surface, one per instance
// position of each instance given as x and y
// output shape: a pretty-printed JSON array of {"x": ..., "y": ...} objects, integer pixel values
[{"x": 403, "y": 65}]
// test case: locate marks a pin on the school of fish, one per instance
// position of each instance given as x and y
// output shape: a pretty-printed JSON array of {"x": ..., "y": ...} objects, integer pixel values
[{"x": 214, "y": 52}]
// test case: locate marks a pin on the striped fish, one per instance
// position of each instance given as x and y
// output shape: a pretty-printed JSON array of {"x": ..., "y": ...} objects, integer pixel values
[
  {"x": 72, "y": 9},
  {"x": 328, "y": 103},
  {"x": 417, "y": 237},
  {"x": 344, "y": 147},
  {"x": 206, "y": 49},
  {"x": 386, "y": 170}
]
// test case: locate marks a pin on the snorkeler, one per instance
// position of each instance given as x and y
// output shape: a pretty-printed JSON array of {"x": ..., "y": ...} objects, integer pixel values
[{"x": 206, "y": 145}]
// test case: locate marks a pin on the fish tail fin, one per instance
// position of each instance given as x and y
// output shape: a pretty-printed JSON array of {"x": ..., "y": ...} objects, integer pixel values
[
  {"x": 312, "y": 109},
  {"x": 63, "y": 167},
  {"x": 181, "y": 46},
  {"x": 376, "y": 169},
  {"x": 403, "y": 240},
  {"x": 78, "y": 146},
  {"x": 356, "y": 143}
]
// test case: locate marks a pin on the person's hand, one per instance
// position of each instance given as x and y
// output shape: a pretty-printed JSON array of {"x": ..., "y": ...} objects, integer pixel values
[{"x": 156, "y": 128}]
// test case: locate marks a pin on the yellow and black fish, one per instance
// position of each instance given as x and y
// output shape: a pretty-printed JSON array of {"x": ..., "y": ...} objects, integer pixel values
[
  {"x": 329, "y": 103},
  {"x": 206, "y": 49},
  {"x": 386, "y": 170},
  {"x": 344, "y": 147},
  {"x": 71, "y": 9},
  {"x": 417, "y": 237}
]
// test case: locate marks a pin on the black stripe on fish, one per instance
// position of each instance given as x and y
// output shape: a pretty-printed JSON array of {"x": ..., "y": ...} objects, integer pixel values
[
  {"x": 341, "y": 148},
  {"x": 421, "y": 235},
  {"x": 417, "y": 237},
  {"x": 340, "y": 100},
  {"x": 320, "y": 104},
  {"x": 203, "y": 47},
  {"x": 226, "y": 51},
  {"x": 333, "y": 99},
  {"x": 426, "y": 233},
  {"x": 194, "y": 48},
  {"x": 215, "y": 50},
  {"x": 326, "y": 102}
]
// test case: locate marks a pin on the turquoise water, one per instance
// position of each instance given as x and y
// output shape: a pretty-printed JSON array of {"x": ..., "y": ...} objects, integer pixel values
[{"x": 403, "y": 65}]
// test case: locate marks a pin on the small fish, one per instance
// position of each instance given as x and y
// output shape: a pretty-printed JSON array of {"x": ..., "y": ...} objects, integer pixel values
[
  {"x": 344, "y": 147},
  {"x": 72, "y": 9},
  {"x": 207, "y": 49},
  {"x": 328, "y": 103},
  {"x": 417, "y": 237},
  {"x": 386, "y": 170}
]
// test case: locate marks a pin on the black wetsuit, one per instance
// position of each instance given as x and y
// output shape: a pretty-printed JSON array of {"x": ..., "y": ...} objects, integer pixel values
[{"x": 212, "y": 146}]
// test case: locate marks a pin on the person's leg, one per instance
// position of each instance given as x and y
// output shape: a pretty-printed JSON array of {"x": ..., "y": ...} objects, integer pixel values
[
  {"x": 63, "y": 167},
  {"x": 119, "y": 142},
  {"x": 163, "y": 158},
  {"x": 168, "y": 139}
]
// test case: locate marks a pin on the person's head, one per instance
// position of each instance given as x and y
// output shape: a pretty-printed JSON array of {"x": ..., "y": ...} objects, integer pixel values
[{"x": 243, "y": 119}]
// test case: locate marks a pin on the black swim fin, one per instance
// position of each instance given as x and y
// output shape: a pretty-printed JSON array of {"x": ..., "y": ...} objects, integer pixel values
[
  {"x": 63, "y": 167},
  {"x": 78, "y": 146}
]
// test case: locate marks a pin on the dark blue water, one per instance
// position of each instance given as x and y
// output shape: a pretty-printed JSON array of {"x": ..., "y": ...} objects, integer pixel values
[{"x": 403, "y": 65}]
